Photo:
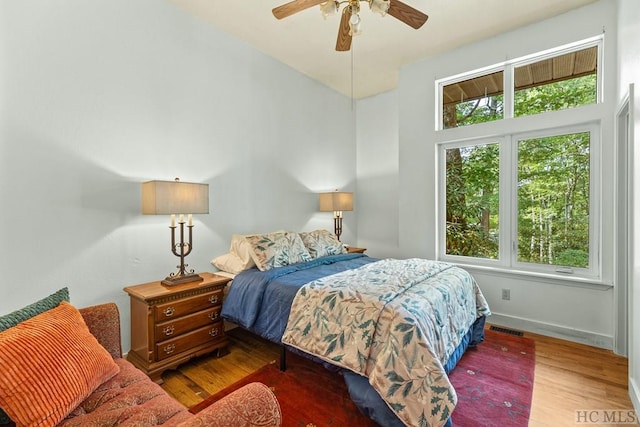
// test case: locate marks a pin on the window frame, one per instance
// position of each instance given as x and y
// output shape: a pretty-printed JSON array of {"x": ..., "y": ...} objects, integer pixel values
[
  {"x": 440, "y": 84},
  {"x": 594, "y": 196},
  {"x": 508, "y": 68},
  {"x": 588, "y": 117},
  {"x": 508, "y": 210},
  {"x": 503, "y": 211}
]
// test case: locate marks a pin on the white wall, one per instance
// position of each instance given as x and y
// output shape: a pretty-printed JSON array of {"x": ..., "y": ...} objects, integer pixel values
[
  {"x": 629, "y": 73},
  {"x": 583, "y": 314},
  {"x": 98, "y": 96},
  {"x": 377, "y": 174}
]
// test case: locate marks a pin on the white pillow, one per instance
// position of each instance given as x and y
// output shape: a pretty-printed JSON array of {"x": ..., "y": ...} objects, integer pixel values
[
  {"x": 243, "y": 250},
  {"x": 238, "y": 259},
  {"x": 228, "y": 262}
]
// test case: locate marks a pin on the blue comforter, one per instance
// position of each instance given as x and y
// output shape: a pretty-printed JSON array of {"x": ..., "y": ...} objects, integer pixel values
[{"x": 260, "y": 301}]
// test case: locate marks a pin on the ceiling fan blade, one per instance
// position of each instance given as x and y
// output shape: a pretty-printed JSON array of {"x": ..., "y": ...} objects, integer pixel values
[
  {"x": 294, "y": 6},
  {"x": 405, "y": 13},
  {"x": 343, "y": 43}
]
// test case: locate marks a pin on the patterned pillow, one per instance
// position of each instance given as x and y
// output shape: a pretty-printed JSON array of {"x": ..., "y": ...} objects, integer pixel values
[
  {"x": 12, "y": 319},
  {"x": 52, "y": 362},
  {"x": 321, "y": 243},
  {"x": 277, "y": 249}
]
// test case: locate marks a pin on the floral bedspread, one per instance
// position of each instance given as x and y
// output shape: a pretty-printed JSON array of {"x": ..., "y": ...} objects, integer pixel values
[{"x": 396, "y": 322}]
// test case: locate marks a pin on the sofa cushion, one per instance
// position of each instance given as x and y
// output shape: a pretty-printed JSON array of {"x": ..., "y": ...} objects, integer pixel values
[
  {"x": 129, "y": 398},
  {"x": 12, "y": 319},
  {"x": 52, "y": 362}
]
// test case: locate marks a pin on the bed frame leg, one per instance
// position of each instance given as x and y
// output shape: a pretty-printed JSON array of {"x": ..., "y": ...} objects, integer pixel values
[{"x": 283, "y": 358}]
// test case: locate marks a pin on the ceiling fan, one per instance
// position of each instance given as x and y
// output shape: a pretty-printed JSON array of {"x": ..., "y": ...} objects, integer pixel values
[{"x": 350, "y": 21}]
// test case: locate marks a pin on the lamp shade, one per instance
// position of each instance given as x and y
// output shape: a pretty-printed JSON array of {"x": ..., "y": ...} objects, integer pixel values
[
  {"x": 336, "y": 201},
  {"x": 174, "y": 197}
]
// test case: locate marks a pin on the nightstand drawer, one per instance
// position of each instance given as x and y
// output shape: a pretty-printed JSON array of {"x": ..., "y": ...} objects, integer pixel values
[
  {"x": 173, "y": 328},
  {"x": 172, "y": 310},
  {"x": 189, "y": 340}
]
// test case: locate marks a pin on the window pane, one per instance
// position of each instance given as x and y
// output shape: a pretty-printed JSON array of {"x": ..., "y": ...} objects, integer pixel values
[
  {"x": 473, "y": 101},
  {"x": 553, "y": 200},
  {"x": 558, "y": 83},
  {"x": 472, "y": 184}
]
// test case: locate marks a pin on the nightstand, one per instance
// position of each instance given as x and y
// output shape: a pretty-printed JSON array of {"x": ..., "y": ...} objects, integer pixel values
[
  {"x": 354, "y": 250},
  {"x": 170, "y": 325}
]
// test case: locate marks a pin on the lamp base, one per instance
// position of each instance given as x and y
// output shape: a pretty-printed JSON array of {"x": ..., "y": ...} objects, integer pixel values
[
  {"x": 337, "y": 226},
  {"x": 175, "y": 279}
]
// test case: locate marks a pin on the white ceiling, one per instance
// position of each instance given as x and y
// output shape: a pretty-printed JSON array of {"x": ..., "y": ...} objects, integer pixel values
[{"x": 306, "y": 42}]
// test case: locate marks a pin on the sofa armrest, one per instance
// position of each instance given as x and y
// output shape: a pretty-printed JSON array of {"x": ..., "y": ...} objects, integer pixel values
[
  {"x": 252, "y": 405},
  {"x": 103, "y": 321}
]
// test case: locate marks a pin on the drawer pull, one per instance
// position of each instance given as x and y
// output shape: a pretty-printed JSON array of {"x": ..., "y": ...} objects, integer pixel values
[
  {"x": 213, "y": 315},
  {"x": 169, "y": 348},
  {"x": 168, "y": 330},
  {"x": 213, "y": 299},
  {"x": 213, "y": 332},
  {"x": 168, "y": 312}
]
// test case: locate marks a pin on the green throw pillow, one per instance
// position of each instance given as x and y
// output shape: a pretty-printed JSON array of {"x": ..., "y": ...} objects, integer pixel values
[{"x": 12, "y": 319}]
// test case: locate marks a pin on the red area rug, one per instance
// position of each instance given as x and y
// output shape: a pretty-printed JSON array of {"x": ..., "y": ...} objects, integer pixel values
[
  {"x": 494, "y": 382},
  {"x": 309, "y": 394}
]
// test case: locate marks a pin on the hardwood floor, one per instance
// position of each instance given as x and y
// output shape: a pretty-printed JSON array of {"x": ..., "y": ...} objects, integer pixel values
[
  {"x": 204, "y": 376},
  {"x": 572, "y": 377},
  {"x": 568, "y": 377}
]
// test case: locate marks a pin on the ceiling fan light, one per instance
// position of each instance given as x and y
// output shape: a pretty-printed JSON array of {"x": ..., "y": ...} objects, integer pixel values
[
  {"x": 354, "y": 25},
  {"x": 328, "y": 8},
  {"x": 379, "y": 6}
]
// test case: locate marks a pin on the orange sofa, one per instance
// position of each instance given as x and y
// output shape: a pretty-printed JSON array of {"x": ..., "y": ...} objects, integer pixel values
[{"x": 130, "y": 398}]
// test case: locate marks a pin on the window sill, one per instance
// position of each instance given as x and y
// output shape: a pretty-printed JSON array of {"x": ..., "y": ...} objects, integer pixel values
[{"x": 548, "y": 278}]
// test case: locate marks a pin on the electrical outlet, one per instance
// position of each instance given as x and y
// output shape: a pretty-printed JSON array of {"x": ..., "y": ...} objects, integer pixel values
[{"x": 506, "y": 294}]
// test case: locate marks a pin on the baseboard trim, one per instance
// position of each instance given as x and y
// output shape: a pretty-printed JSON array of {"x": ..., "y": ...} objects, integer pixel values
[
  {"x": 575, "y": 335},
  {"x": 634, "y": 394}
]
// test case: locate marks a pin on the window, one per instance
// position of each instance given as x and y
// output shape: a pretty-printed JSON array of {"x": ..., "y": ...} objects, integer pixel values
[
  {"x": 472, "y": 200},
  {"x": 562, "y": 79},
  {"x": 475, "y": 100},
  {"x": 553, "y": 200},
  {"x": 523, "y": 199}
]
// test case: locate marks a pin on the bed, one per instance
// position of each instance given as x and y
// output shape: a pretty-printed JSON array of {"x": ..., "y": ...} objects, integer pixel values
[{"x": 324, "y": 306}]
